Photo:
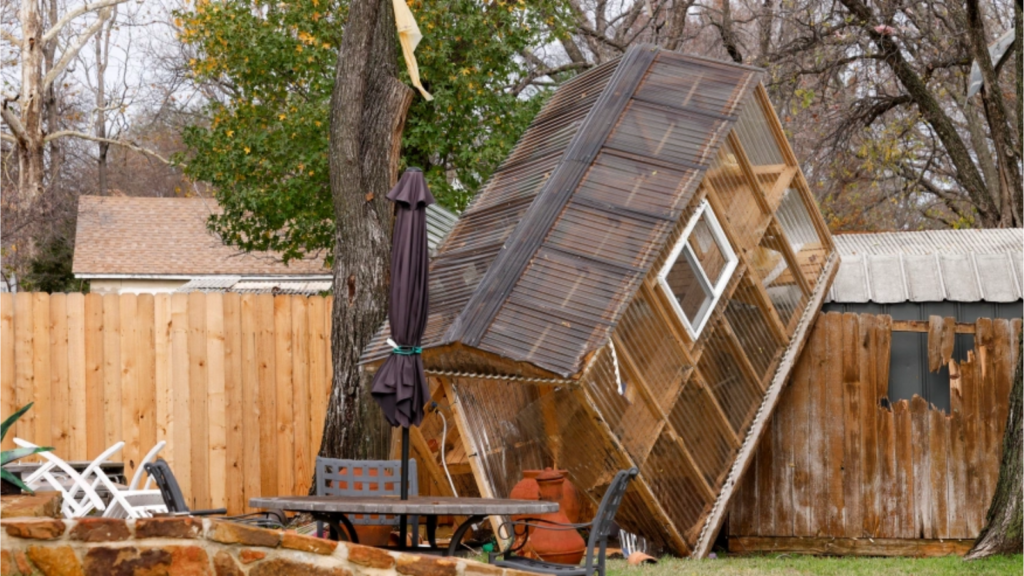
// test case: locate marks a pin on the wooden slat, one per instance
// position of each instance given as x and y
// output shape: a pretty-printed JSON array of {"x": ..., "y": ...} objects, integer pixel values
[
  {"x": 886, "y": 459},
  {"x": 923, "y": 524},
  {"x": 284, "y": 419},
  {"x": 986, "y": 405},
  {"x": 869, "y": 428},
  {"x": 957, "y": 481},
  {"x": 252, "y": 409},
  {"x": 938, "y": 436},
  {"x": 798, "y": 432},
  {"x": 162, "y": 380},
  {"x": 146, "y": 395},
  {"x": 319, "y": 370},
  {"x": 23, "y": 366},
  {"x": 903, "y": 432},
  {"x": 853, "y": 485},
  {"x": 60, "y": 393},
  {"x": 935, "y": 343},
  {"x": 850, "y": 547},
  {"x": 835, "y": 423},
  {"x": 112, "y": 400},
  {"x": 8, "y": 392},
  {"x": 267, "y": 422},
  {"x": 819, "y": 418},
  {"x": 77, "y": 443},
  {"x": 41, "y": 369},
  {"x": 181, "y": 421},
  {"x": 216, "y": 411},
  {"x": 198, "y": 380},
  {"x": 302, "y": 445},
  {"x": 129, "y": 353},
  {"x": 95, "y": 424},
  {"x": 970, "y": 382},
  {"x": 235, "y": 440}
]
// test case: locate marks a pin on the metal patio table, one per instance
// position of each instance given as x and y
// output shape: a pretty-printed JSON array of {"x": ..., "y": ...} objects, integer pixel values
[{"x": 333, "y": 511}]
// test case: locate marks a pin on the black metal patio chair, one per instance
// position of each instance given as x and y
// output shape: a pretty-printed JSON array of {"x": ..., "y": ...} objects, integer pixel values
[
  {"x": 164, "y": 478},
  {"x": 600, "y": 528}
]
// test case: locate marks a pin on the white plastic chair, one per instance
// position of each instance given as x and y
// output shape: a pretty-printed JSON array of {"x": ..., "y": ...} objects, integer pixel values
[
  {"x": 79, "y": 496},
  {"x": 135, "y": 502}
]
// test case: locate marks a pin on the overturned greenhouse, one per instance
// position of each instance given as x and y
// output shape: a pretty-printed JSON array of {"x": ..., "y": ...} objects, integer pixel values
[{"x": 630, "y": 288}]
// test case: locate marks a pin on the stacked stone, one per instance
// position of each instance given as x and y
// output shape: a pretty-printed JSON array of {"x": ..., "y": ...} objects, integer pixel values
[{"x": 188, "y": 546}]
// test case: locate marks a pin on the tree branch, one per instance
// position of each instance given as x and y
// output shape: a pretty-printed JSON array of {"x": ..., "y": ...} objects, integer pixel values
[
  {"x": 8, "y": 138},
  {"x": 75, "y": 47},
  {"x": 13, "y": 123},
  {"x": 122, "y": 143},
  {"x": 71, "y": 15}
]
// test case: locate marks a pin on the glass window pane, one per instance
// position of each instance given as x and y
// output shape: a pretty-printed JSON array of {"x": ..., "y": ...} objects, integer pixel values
[
  {"x": 688, "y": 287},
  {"x": 704, "y": 245}
]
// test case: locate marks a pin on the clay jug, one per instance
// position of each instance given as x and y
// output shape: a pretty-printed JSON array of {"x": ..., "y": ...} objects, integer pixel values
[
  {"x": 526, "y": 489},
  {"x": 562, "y": 546}
]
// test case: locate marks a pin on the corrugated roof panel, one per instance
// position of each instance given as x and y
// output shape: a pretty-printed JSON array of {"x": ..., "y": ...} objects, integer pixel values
[
  {"x": 851, "y": 282},
  {"x": 938, "y": 265},
  {"x": 923, "y": 278},
  {"x": 885, "y": 275},
  {"x": 982, "y": 241},
  {"x": 959, "y": 277},
  {"x": 995, "y": 275}
]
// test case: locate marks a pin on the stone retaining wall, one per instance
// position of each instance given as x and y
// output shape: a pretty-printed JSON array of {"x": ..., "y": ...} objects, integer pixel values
[{"x": 189, "y": 546}]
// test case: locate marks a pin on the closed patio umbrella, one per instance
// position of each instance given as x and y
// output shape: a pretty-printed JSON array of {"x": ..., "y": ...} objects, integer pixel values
[{"x": 400, "y": 386}]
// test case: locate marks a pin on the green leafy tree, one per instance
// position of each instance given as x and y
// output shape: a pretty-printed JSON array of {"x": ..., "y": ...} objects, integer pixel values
[{"x": 271, "y": 65}]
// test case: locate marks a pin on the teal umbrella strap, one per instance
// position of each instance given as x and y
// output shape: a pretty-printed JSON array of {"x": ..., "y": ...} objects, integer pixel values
[{"x": 407, "y": 350}]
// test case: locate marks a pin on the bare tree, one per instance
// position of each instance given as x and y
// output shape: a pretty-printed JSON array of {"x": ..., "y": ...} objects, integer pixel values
[{"x": 40, "y": 39}]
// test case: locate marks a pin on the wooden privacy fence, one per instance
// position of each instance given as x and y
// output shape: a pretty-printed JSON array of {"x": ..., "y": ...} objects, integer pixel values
[
  {"x": 841, "y": 470},
  {"x": 236, "y": 384}
]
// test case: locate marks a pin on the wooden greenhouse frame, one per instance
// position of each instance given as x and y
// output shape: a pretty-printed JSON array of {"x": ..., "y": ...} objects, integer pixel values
[{"x": 630, "y": 288}]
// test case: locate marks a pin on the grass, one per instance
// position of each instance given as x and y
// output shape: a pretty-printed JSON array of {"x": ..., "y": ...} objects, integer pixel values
[{"x": 793, "y": 565}]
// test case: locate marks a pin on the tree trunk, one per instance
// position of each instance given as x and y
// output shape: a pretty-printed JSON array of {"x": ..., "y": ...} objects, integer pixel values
[
  {"x": 1002, "y": 533},
  {"x": 368, "y": 110},
  {"x": 31, "y": 148},
  {"x": 101, "y": 114}
]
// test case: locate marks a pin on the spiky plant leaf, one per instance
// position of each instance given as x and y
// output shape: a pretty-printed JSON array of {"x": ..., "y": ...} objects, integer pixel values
[
  {"x": 11, "y": 419},
  {"x": 16, "y": 481},
  {"x": 8, "y": 456}
]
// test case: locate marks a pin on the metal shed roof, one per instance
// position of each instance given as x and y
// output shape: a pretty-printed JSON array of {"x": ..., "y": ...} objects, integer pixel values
[{"x": 929, "y": 266}]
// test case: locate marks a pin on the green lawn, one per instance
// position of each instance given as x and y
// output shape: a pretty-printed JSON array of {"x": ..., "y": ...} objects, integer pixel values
[{"x": 800, "y": 565}]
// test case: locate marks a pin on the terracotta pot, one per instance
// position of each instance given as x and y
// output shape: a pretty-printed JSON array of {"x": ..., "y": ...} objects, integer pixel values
[
  {"x": 375, "y": 535},
  {"x": 528, "y": 489},
  {"x": 562, "y": 546}
]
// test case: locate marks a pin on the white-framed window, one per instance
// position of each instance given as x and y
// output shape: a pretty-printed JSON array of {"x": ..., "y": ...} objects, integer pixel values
[{"x": 698, "y": 269}]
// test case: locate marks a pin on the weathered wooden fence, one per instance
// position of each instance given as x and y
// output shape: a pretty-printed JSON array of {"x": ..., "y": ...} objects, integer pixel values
[
  {"x": 236, "y": 384},
  {"x": 843, "y": 471}
]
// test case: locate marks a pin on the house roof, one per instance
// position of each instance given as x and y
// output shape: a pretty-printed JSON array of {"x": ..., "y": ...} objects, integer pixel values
[
  {"x": 122, "y": 236},
  {"x": 545, "y": 259},
  {"x": 929, "y": 266},
  {"x": 161, "y": 237}
]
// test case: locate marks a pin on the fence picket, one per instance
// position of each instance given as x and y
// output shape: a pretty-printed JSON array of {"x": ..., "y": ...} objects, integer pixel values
[{"x": 8, "y": 394}]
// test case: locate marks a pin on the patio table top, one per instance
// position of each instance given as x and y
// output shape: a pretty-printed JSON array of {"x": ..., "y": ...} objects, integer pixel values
[{"x": 415, "y": 505}]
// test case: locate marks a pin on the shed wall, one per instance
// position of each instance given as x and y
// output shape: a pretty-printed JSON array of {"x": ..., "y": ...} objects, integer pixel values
[{"x": 841, "y": 462}]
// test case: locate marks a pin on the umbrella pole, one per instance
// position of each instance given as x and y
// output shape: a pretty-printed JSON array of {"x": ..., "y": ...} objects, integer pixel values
[{"x": 404, "y": 489}]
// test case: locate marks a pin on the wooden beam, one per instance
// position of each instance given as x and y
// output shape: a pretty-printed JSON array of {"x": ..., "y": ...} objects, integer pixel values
[
  {"x": 427, "y": 462},
  {"x": 748, "y": 170},
  {"x": 646, "y": 494},
  {"x": 917, "y": 548},
  {"x": 922, "y": 326},
  {"x": 472, "y": 451}
]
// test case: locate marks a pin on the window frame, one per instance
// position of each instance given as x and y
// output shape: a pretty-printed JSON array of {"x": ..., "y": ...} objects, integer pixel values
[{"x": 716, "y": 291}]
